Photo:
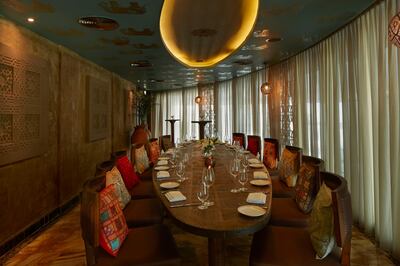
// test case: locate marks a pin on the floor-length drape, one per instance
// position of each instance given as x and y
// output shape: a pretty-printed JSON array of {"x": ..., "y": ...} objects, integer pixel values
[{"x": 346, "y": 111}]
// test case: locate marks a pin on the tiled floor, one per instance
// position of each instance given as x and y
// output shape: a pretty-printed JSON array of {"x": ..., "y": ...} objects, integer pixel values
[{"x": 61, "y": 244}]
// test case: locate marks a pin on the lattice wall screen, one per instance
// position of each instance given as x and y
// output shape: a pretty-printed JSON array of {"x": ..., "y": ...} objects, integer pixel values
[{"x": 24, "y": 88}]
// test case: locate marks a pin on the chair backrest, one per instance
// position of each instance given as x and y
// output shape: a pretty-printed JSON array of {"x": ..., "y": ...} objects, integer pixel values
[
  {"x": 299, "y": 154},
  {"x": 240, "y": 137},
  {"x": 89, "y": 216},
  {"x": 342, "y": 214},
  {"x": 118, "y": 154},
  {"x": 166, "y": 142},
  {"x": 254, "y": 139},
  {"x": 319, "y": 166},
  {"x": 267, "y": 144},
  {"x": 103, "y": 167}
]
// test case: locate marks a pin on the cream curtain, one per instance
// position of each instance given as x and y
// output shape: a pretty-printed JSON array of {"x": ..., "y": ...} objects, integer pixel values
[{"x": 345, "y": 97}]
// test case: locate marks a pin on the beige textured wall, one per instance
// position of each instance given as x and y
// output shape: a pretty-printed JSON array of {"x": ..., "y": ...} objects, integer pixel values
[{"x": 31, "y": 188}]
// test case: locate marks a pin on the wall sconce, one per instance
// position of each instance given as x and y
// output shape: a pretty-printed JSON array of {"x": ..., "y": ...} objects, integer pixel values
[
  {"x": 394, "y": 30},
  {"x": 266, "y": 88},
  {"x": 198, "y": 100}
]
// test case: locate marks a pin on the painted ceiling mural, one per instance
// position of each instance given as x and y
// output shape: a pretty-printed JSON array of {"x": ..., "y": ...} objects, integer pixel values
[{"x": 135, "y": 50}]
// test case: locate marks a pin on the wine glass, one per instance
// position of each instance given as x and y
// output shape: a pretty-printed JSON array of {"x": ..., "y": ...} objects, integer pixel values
[
  {"x": 245, "y": 161},
  {"x": 234, "y": 171},
  {"x": 242, "y": 179},
  {"x": 208, "y": 178},
  {"x": 180, "y": 171},
  {"x": 236, "y": 143},
  {"x": 203, "y": 195}
]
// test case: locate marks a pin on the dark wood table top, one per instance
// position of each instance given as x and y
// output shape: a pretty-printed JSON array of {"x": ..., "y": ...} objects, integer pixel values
[
  {"x": 201, "y": 121},
  {"x": 172, "y": 120},
  {"x": 222, "y": 219}
]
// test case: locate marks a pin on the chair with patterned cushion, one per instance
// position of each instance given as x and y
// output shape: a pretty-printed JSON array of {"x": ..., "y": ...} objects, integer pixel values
[
  {"x": 295, "y": 211},
  {"x": 271, "y": 155},
  {"x": 279, "y": 245},
  {"x": 140, "y": 159},
  {"x": 138, "y": 212},
  {"x": 153, "y": 150},
  {"x": 288, "y": 167},
  {"x": 254, "y": 144},
  {"x": 166, "y": 142},
  {"x": 148, "y": 245},
  {"x": 239, "y": 137},
  {"x": 143, "y": 190}
]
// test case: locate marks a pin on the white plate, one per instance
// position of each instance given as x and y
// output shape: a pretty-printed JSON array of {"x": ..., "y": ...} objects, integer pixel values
[
  {"x": 169, "y": 185},
  {"x": 256, "y": 165},
  {"x": 260, "y": 182},
  {"x": 163, "y": 158},
  {"x": 158, "y": 168},
  {"x": 251, "y": 210}
]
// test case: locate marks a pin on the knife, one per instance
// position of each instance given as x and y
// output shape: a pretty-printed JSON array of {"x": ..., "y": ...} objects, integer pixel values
[{"x": 186, "y": 205}]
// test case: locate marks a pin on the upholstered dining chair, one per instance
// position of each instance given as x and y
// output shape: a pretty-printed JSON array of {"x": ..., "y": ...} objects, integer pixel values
[
  {"x": 138, "y": 212},
  {"x": 143, "y": 190},
  {"x": 148, "y": 245},
  {"x": 254, "y": 144},
  {"x": 166, "y": 142},
  {"x": 296, "y": 211},
  {"x": 271, "y": 154},
  {"x": 239, "y": 137},
  {"x": 279, "y": 185},
  {"x": 279, "y": 245}
]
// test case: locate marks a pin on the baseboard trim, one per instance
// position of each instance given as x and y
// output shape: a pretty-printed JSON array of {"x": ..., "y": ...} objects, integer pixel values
[{"x": 39, "y": 226}]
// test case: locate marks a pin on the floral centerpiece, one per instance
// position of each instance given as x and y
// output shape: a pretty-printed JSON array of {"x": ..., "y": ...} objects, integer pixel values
[{"x": 208, "y": 145}]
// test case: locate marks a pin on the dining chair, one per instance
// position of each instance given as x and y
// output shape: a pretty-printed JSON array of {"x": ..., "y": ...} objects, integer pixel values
[
  {"x": 239, "y": 137},
  {"x": 166, "y": 142},
  {"x": 280, "y": 245},
  {"x": 147, "y": 245},
  {"x": 254, "y": 144},
  {"x": 280, "y": 188},
  {"x": 271, "y": 154},
  {"x": 138, "y": 212},
  {"x": 286, "y": 211},
  {"x": 143, "y": 190}
]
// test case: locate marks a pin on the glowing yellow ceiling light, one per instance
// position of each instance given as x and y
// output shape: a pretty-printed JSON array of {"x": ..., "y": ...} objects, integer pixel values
[{"x": 247, "y": 14}]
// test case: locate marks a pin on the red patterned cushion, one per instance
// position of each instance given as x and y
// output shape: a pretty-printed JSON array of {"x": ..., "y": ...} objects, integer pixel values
[
  {"x": 154, "y": 151},
  {"x": 288, "y": 168},
  {"x": 113, "y": 227},
  {"x": 270, "y": 155},
  {"x": 305, "y": 188},
  {"x": 252, "y": 146},
  {"x": 128, "y": 174}
]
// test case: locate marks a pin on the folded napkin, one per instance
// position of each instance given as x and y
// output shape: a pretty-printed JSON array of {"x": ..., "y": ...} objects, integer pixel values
[
  {"x": 162, "y": 162},
  {"x": 163, "y": 158},
  {"x": 257, "y": 198},
  {"x": 163, "y": 174},
  {"x": 253, "y": 160},
  {"x": 174, "y": 196},
  {"x": 260, "y": 175}
]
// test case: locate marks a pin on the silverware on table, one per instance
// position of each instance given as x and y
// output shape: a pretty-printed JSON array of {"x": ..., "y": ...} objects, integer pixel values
[{"x": 185, "y": 205}]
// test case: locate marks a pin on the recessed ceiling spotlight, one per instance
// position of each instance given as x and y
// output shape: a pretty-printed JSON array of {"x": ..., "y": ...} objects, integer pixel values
[
  {"x": 276, "y": 39},
  {"x": 100, "y": 23},
  {"x": 134, "y": 65},
  {"x": 30, "y": 20}
]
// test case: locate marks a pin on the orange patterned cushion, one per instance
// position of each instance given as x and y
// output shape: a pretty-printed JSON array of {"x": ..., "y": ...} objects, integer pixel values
[
  {"x": 154, "y": 151},
  {"x": 113, "y": 227},
  {"x": 305, "y": 188},
  {"x": 141, "y": 160},
  {"x": 288, "y": 168},
  {"x": 270, "y": 152}
]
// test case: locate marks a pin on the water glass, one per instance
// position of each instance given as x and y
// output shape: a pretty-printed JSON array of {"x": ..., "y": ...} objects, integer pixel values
[
  {"x": 208, "y": 178},
  {"x": 234, "y": 167},
  {"x": 203, "y": 195},
  {"x": 180, "y": 171},
  {"x": 243, "y": 179},
  {"x": 245, "y": 161}
]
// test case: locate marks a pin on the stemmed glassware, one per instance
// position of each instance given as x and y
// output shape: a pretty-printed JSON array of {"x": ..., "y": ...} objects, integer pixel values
[
  {"x": 180, "y": 171},
  {"x": 208, "y": 178},
  {"x": 203, "y": 195},
  {"x": 234, "y": 168},
  {"x": 236, "y": 144},
  {"x": 245, "y": 161},
  {"x": 242, "y": 179}
]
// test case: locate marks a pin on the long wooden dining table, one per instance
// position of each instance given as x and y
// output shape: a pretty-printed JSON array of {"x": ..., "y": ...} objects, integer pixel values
[{"x": 222, "y": 220}]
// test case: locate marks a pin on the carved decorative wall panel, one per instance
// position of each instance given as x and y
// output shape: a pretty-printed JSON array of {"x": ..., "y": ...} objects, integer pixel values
[
  {"x": 23, "y": 105},
  {"x": 98, "y": 95}
]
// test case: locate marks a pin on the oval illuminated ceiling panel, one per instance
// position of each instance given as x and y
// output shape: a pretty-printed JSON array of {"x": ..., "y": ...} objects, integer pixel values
[{"x": 201, "y": 33}]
